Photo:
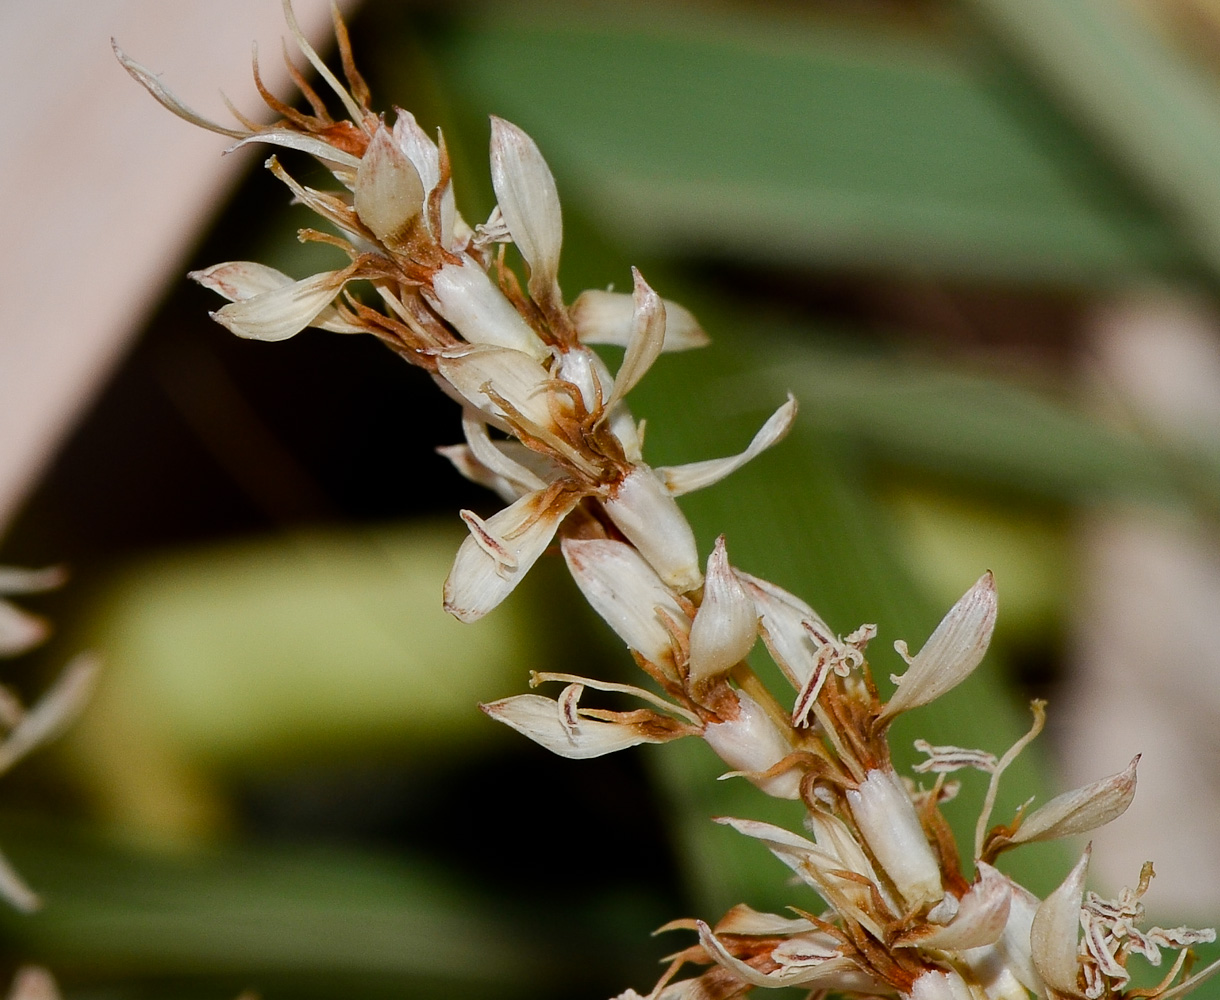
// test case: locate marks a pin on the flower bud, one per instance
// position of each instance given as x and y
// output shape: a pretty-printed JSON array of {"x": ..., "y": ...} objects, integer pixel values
[
  {"x": 726, "y": 623},
  {"x": 752, "y": 743},
  {"x": 465, "y": 296},
  {"x": 389, "y": 193},
  {"x": 886, "y": 817},
  {"x": 644, "y": 511}
]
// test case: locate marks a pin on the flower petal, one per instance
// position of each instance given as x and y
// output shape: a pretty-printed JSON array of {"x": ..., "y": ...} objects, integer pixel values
[
  {"x": 418, "y": 147},
  {"x": 282, "y": 312},
  {"x": 493, "y": 457},
  {"x": 726, "y": 623},
  {"x": 952, "y": 652},
  {"x": 1055, "y": 931},
  {"x": 742, "y": 919},
  {"x": 529, "y": 203},
  {"x": 628, "y": 594},
  {"x": 607, "y": 318},
  {"x": 644, "y": 344},
  {"x": 680, "y": 479},
  {"x": 835, "y": 973},
  {"x": 500, "y": 551},
  {"x": 980, "y": 920},
  {"x": 783, "y": 630},
  {"x": 642, "y": 509},
  {"x": 389, "y": 191},
  {"x": 510, "y": 374},
  {"x": 163, "y": 96},
  {"x": 1080, "y": 810},
  {"x": 238, "y": 280},
  {"x": 466, "y": 297},
  {"x": 578, "y": 738},
  {"x": 319, "y": 148}
]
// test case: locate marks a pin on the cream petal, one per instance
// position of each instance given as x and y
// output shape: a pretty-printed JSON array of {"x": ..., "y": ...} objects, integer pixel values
[
  {"x": 726, "y": 623},
  {"x": 627, "y": 593},
  {"x": 1055, "y": 932},
  {"x": 980, "y": 920},
  {"x": 607, "y": 318},
  {"x": 952, "y": 652},
  {"x": 680, "y": 479},
  {"x": 644, "y": 345},
  {"x": 418, "y": 147},
  {"x": 500, "y": 551},
  {"x": 529, "y": 203},
  {"x": 782, "y": 617},
  {"x": 53, "y": 711},
  {"x": 752, "y": 743},
  {"x": 742, "y": 919},
  {"x": 543, "y": 721},
  {"x": 1006, "y": 968},
  {"x": 466, "y": 297},
  {"x": 389, "y": 191},
  {"x": 514, "y": 376},
  {"x": 834, "y": 837},
  {"x": 1082, "y": 809},
  {"x": 19, "y": 630},
  {"x": 282, "y": 312},
  {"x": 642, "y": 509},
  {"x": 238, "y": 280}
]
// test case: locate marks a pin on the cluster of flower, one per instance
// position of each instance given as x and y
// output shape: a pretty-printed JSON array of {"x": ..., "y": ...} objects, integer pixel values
[{"x": 547, "y": 427}]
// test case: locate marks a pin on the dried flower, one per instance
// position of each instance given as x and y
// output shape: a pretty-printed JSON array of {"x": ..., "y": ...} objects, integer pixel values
[{"x": 902, "y": 917}]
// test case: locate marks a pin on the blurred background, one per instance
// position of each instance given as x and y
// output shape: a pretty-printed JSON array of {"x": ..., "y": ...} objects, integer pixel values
[{"x": 978, "y": 239}]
